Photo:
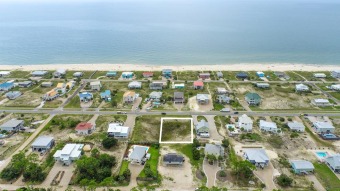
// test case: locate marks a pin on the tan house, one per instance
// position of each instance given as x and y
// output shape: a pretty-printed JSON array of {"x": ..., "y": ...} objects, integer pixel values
[{"x": 130, "y": 97}]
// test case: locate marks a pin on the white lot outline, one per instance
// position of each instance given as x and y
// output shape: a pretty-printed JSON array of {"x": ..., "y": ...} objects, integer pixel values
[{"x": 177, "y": 142}]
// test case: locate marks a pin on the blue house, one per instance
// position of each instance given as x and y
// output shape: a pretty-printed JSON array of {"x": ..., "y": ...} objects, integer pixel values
[
  {"x": 167, "y": 73},
  {"x": 106, "y": 95},
  {"x": 85, "y": 96},
  {"x": 257, "y": 157},
  {"x": 302, "y": 166},
  {"x": 111, "y": 74},
  {"x": 242, "y": 75},
  {"x": 127, "y": 75},
  {"x": 260, "y": 74},
  {"x": 6, "y": 86}
]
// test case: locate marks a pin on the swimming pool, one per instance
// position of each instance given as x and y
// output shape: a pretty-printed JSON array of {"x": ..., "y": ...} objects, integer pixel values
[{"x": 321, "y": 155}]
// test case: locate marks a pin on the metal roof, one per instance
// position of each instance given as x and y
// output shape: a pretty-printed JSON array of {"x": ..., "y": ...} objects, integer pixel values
[
  {"x": 12, "y": 123},
  {"x": 301, "y": 164},
  {"x": 42, "y": 141},
  {"x": 257, "y": 155}
]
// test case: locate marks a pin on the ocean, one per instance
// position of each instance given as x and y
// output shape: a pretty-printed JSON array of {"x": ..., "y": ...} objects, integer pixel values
[{"x": 169, "y": 32}]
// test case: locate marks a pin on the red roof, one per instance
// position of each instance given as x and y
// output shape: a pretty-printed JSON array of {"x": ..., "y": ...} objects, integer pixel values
[
  {"x": 147, "y": 73},
  {"x": 84, "y": 126},
  {"x": 198, "y": 83}
]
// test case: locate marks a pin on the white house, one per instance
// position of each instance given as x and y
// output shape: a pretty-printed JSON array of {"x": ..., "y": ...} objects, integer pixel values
[
  {"x": 69, "y": 153},
  {"x": 321, "y": 102},
  {"x": 268, "y": 126},
  {"x": 95, "y": 85},
  {"x": 335, "y": 74},
  {"x": 135, "y": 85},
  {"x": 245, "y": 122},
  {"x": 301, "y": 88},
  {"x": 59, "y": 73},
  {"x": 118, "y": 131},
  {"x": 262, "y": 85},
  {"x": 220, "y": 90},
  {"x": 319, "y": 75},
  {"x": 84, "y": 128},
  {"x": 4, "y": 73},
  {"x": 323, "y": 127},
  {"x": 296, "y": 126},
  {"x": 335, "y": 87},
  {"x": 333, "y": 162}
]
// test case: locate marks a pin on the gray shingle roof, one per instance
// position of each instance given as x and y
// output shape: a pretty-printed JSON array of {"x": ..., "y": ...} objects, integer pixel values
[
  {"x": 257, "y": 155},
  {"x": 216, "y": 150},
  {"x": 138, "y": 153},
  {"x": 334, "y": 161},
  {"x": 42, "y": 141},
  {"x": 173, "y": 157},
  {"x": 302, "y": 164},
  {"x": 12, "y": 123}
]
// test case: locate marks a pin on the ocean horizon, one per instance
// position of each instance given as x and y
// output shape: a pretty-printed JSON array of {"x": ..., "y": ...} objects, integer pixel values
[{"x": 170, "y": 32}]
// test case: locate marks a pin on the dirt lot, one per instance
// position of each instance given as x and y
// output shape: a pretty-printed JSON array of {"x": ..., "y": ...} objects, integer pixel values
[
  {"x": 200, "y": 107},
  {"x": 147, "y": 128},
  {"x": 28, "y": 99},
  {"x": 176, "y": 130}
]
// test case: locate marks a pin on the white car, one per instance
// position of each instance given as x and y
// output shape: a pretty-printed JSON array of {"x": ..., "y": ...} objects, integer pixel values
[{"x": 225, "y": 110}]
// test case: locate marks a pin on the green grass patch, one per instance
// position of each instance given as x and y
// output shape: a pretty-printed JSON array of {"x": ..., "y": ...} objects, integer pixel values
[
  {"x": 153, "y": 161},
  {"x": 19, "y": 74},
  {"x": 327, "y": 178},
  {"x": 200, "y": 117},
  {"x": 103, "y": 121},
  {"x": 123, "y": 167},
  {"x": 186, "y": 149},
  {"x": 176, "y": 130},
  {"x": 74, "y": 102}
]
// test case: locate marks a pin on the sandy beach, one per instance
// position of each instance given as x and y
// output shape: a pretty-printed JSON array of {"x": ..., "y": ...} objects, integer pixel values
[{"x": 146, "y": 67}]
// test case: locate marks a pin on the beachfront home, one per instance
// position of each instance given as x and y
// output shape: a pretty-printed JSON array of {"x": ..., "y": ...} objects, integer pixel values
[
  {"x": 301, "y": 88},
  {"x": 221, "y": 91},
  {"x": 13, "y": 95},
  {"x": 147, "y": 74},
  {"x": 85, "y": 128},
  {"x": 323, "y": 127},
  {"x": 245, "y": 123},
  {"x": 219, "y": 74},
  {"x": 46, "y": 84},
  {"x": 335, "y": 87},
  {"x": 85, "y": 96},
  {"x": 302, "y": 166},
  {"x": 202, "y": 98},
  {"x": 105, "y": 95},
  {"x": 204, "y": 76},
  {"x": 39, "y": 73},
  {"x": 281, "y": 75},
  {"x": 198, "y": 85},
  {"x": 260, "y": 74},
  {"x": 214, "y": 149},
  {"x": 12, "y": 125},
  {"x": 155, "y": 96},
  {"x": 111, "y": 74},
  {"x": 262, "y": 85},
  {"x": 50, "y": 95},
  {"x": 138, "y": 154},
  {"x": 253, "y": 98},
  {"x": 117, "y": 130},
  {"x": 223, "y": 99},
  {"x": 157, "y": 85},
  {"x": 6, "y": 86},
  {"x": 127, "y": 75},
  {"x": 135, "y": 85},
  {"x": 178, "y": 97},
  {"x": 130, "y": 97},
  {"x": 95, "y": 86},
  {"x": 296, "y": 126},
  {"x": 335, "y": 73},
  {"x": 173, "y": 159},
  {"x": 333, "y": 162},
  {"x": 25, "y": 84},
  {"x": 68, "y": 154},
  {"x": 59, "y": 73},
  {"x": 4, "y": 73},
  {"x": 167, "y": 73},
  {"x": 257, "y": 157},
  {"x": 268, "y": 126},
  {"x": 78, "y": 74},
  {"x": 321, "y": 102},
  {"x": 202, "y": 129},
  {"x": 242, "y": 75},
  {"x": 319, "y": 75},
  {"x": 42, "y": 143},
  {"x": 178, "y": 86}
]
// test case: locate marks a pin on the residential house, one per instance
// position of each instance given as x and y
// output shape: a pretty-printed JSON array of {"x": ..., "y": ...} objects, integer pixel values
[
  {"x": 167, "y": 73},
  {"x": 70, "y": 85},
  {"x": 281, "y": 75},
  {"x": 223, "y": 99},
  {"x": 302, "y": 166},
  {"x": 242, "y": 75},
  {"x": 137, "y": 154},
  {"x": 147, "y": 74},
  {"x": 179, "y": 97},
  {"x": 323, "y": 127},
  {"x": 214, "y": 149},
  {"x": 260, "y": 74},
  {"x": 220, "y": 91},
  {"x": 178, "y": 86},
  {"x": 84, "y": 128},
  {"x": 135, "y": 85},
  {"x": 296, "y": 126},
  {"x": 46, "y": 84},
  {"x": 268, "y": 126},
  {"x": 253, "y": 98},
  {"x": 85, "y": 96},
  {"x": 127, "y": 75},
  {"x": 204, "y": 76},
  {"x": 42, "y": 143},
  {"x": 321, "y": 102},
  {"x": 335, "y": 73},
  {"x": 232, "y": 130},
  {"x": 13, "y": 95},
  {"x": 39, "y": 73},
  {"x": 105, "y": 95},
  {"x": 25, "y": 84},
  {"x": 6, "y": 86},
  {"x": 111, "y": 74},
  {"x": 50, "y": 95},
  {"x": 219, "y": 74},
  {"x": 202, "y": 129},
  {"x": 333, "y": 162},
  {"x": 130, "y": 97},
  {"x": 173, "y": 159},
  {"x": 95, "y": 86},
  {"x": 198, "y": 85},
  {"x": 156, "y": 85},
  {"x": 61, "y": 88},
  {"x": 202, "y": 98},
  {"x": 4, "y": 73},
  {"x": 245, "y": 123},
  {"x": 319, "y": 75},
  {"x": 59, "y": 73},
  {"x": 155, "y": 96},
  {"x": 78, "y": 74},
  {"x": 12, "y": 125},
  {"x": 71, "y": 152},
  {"x": 301, "y": 88},
  {"x": 258, "y": 157},
  {"x": 118, "y": 131},
  {"x": 262, "y": 85},
  {"x": 335, "y": 87}
]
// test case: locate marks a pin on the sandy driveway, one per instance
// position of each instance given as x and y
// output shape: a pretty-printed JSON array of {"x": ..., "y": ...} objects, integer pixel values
[
  {"x": 214, "y": 135},
  {"x": 210, "y": 172},
  {"x": 266, "y": 176},
  {"x": 317, "y": 184},
  {"x": 135, "y": 170}
]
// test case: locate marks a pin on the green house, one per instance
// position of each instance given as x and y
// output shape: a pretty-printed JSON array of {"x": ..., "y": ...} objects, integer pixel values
[{"x": 253, "y": 99}]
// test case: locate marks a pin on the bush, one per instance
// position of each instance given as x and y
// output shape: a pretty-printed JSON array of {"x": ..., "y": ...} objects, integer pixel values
[
  {"x": 222, "y": 174},
  {"x": 284, "y": 181},
  {"x": 109, "y": 142}
]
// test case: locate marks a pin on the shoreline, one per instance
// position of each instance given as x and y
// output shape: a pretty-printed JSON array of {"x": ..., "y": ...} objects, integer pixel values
[{"x": 146, "y": 67}]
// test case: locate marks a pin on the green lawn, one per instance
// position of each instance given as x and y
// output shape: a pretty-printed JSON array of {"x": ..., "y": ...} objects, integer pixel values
[
  {"x": 19, "y": 74},
  {"x": 200, "y": 117},
  {"x": 327, "y": 178},
  {"x": 123, "y": 167},
  {"x": 186, "y": 149},
  {"x": 103, "y": 121},
  {"x": 74, "y": 103},
  {"x": 153, "y": 161},
  {"x": 335, "y": 94}
]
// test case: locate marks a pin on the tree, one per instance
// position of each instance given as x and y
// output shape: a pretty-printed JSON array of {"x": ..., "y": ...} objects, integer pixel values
[
  {"x": 109, "y": 142},
  {"x": 225, "y": 143},
  {"x": 33, "y": 172},
  {"x": 211, "y": 158},
  {"x": 196, "y": 154},
  {"x": 106, "y": 160},
  {"x": 243, "y": 169},
  {"x": 113, "y": 102},
  {"x": 95, "y": 153},
  {"x": 284, "y": 181}
]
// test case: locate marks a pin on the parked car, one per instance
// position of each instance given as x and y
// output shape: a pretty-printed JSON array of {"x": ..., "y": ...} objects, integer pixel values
[
  {"x": 236, "y": 112},
  {"x": 225, "y": 110}
]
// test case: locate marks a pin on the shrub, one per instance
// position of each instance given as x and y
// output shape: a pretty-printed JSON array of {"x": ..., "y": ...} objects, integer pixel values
[
  {"x": 284, "y": 181},
  {"x": 222, "y": 174},
  {"x": 109, "y": 142}
]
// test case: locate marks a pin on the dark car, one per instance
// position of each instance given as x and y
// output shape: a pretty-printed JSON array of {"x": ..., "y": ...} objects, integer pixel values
[
  {"x": 236, "y": 112},
  {"x": 163, "y": 113}
]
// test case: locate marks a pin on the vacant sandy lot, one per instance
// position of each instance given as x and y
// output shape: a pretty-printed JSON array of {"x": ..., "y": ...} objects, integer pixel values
[
  {"x": 176, "y": 130},
  {"x": 200, "y": 107}
]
